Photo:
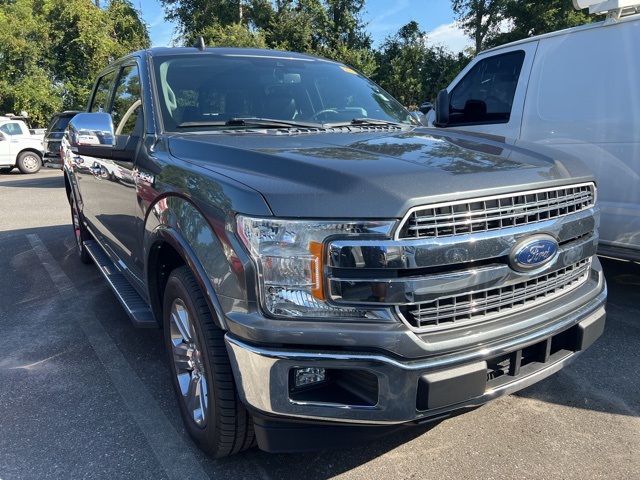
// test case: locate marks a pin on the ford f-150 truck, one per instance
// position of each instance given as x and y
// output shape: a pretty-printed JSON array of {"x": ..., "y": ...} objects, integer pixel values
[{"x": 324, "y": 269}]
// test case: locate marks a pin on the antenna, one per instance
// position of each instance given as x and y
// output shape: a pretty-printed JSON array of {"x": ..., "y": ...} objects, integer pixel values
[{"x": 200, "y": 44}]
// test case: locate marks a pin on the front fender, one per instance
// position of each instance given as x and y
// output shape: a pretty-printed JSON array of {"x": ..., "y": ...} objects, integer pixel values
[{"x": 204, "y": 244}]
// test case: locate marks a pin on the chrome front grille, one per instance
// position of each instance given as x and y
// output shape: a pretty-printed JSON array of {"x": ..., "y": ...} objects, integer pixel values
[
  {"x": 496, "y": 212},
  {"x": 479, "y": 306}
]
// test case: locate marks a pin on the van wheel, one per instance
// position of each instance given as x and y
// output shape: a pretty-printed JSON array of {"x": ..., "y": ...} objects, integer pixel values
[
  {"x": 80, "y": 232},
  {"x": 29, "y": 162},
  {"x": 212, "y": 413}
]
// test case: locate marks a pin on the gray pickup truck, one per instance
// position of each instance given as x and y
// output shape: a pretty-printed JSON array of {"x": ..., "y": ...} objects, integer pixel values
[{"x": 325, "y": 270}]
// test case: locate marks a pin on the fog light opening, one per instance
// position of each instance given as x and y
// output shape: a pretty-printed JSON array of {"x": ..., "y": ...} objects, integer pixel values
[{"x": 309, "y": 376}]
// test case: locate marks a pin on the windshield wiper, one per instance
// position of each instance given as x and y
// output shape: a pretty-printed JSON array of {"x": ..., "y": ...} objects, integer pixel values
[
  {"x": 268, "y": 122},
  {"x": 366, "y": 122},
  {"x": 249, "y": 121}
]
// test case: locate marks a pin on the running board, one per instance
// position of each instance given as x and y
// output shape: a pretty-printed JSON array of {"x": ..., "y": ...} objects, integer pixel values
[{"x": 138, "y": 310}]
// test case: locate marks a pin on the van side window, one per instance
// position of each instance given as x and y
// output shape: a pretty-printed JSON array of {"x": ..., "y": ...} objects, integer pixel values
[
  {"x": 102, "y": 95},
  {"x": 485, "y": 94}
]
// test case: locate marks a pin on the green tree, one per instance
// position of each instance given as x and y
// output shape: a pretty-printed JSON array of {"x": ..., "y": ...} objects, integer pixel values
[
  {"x": 344, "y": 24},
  {"x": 26, "y": 83},
  {"x": 232, "y": 35},
  {"x": 287, "y": 25},
  {"x": 412, "y": 70},
  {"x": 400, "y": 64},
  {"x": 51, "y": 50},
  {"x": 193, "y": 16},
  {"x": 528, "y": 18},
  {"x": 329, "y": 28},
  {"x": 480, "y": 19}
]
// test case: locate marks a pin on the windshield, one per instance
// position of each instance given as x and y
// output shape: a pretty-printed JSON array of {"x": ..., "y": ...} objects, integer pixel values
[{"x": 204, "y": 91}]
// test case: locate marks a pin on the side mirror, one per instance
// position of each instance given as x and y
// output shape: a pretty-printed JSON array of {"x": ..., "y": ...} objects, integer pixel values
[
  {"x": 2, "y": 137},
  {"x": 442, "y": 109},
  {"x": 91, "y": 134}
]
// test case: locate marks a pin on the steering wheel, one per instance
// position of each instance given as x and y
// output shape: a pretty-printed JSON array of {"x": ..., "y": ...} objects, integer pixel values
[
  {"x": 323, "y": 112},
  {"x": 126, "y": 116}
]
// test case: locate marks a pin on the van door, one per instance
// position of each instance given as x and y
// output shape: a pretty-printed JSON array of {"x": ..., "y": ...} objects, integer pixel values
[
  {"x": 584, "y": 99},
  {"x": 488, "y": 95}
]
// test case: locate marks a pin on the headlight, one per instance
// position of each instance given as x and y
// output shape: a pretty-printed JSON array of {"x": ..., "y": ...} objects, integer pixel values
[{"x": 289, "y": 258}]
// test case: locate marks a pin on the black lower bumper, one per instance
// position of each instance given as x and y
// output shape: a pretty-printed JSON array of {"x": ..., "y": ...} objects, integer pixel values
[{"x": 459, "y": 388}]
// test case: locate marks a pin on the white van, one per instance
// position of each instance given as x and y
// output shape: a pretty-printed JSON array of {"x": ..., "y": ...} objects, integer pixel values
[{"x": 577, "y": 90}]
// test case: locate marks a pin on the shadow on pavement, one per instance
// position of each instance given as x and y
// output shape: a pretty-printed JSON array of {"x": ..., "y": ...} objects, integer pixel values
[{"x": 43, "y": 179}]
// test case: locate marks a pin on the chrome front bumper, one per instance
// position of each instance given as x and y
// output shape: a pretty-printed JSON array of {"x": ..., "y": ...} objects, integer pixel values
[{"x": 409, "y": 391}]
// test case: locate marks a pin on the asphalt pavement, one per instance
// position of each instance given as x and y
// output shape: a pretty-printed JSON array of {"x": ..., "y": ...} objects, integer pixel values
[{"x": 83, "y": 394}]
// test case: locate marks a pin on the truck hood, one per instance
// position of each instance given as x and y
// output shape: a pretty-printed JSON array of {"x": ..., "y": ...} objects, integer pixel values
[{"x": 369, "y": 174}]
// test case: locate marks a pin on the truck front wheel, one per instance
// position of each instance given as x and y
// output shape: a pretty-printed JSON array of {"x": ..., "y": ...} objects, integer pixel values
[
  {"x": 29, "y": 162},
  {"x": 213, "y": 415}
]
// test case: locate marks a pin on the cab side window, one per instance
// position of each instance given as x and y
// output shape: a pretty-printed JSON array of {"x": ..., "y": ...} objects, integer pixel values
[
  {"x": 127, "y": 103},
  {"x": 11, "y": 129},
  {"x": 102, "y": 95},
  {"x": 485, "y": 94}
]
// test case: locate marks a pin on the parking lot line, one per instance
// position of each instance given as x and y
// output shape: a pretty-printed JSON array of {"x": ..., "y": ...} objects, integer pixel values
[{"x": 177, "y": 460}]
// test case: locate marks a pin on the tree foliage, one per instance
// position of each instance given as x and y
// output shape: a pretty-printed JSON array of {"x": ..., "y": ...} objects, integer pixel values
[
  {"x": 412, "y": 70},
  {"x": 528, "y": 18},
  {"x": 196, "y": 16},
  {"x": 234, "y": 34},
  {"x": 480, "y": 19},
  {"x": 494, "y": 22},
  {"x": 51, "y": 50}
]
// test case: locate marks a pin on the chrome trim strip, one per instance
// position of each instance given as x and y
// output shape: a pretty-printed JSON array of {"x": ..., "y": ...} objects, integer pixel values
[
  {"x": 427, "y": 288},
  {"x": 435, "y": 252}
]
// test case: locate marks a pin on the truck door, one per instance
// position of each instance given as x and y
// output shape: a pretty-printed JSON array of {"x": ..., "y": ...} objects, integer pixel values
[
  {"x": 120, "y": 215},
  {"x": 109, "y": 187},
  {"x": 488, "y": 95},
  {"x": 6, "y": 158}
]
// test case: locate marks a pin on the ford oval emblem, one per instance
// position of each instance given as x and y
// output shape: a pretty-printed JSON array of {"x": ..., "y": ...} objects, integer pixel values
[{"x": 534, "y": 252}]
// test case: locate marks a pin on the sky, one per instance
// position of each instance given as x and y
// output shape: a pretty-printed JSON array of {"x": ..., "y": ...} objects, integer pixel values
[{"x": 384, "y": 18}]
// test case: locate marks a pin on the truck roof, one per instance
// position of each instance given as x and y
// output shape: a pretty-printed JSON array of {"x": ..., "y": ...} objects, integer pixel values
[{"x": 223, "y": 51}]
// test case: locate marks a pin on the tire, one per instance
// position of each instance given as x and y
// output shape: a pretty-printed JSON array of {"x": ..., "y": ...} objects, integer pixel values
[
  {"x": 212, "y": 412},
  {"x": 29, "y": 162},
  {"x": 80, "y": 232}
]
